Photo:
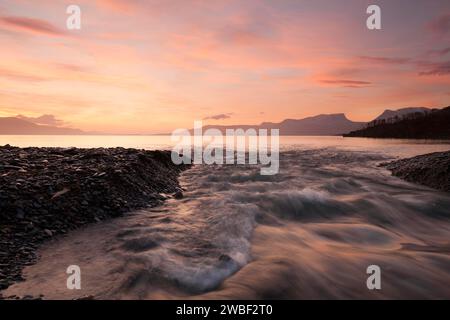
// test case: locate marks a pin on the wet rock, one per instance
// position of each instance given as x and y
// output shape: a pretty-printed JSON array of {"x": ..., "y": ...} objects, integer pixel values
[
  {"x": 431, "y": 170},
  {"x": 178, "y": 194},
  {"x": 20, "y": 214},
  {"x": 225, "y": 258},
  {"x": 60, "y": 193},
  {"x": 48, "y": 232},
  {"x": 49, "y": 191}
]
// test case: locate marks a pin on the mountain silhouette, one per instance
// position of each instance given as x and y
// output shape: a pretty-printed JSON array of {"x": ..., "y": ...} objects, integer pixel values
[
  {"x": 16, "y": 126},
  {"x": 417, "y": 125},
  {"x": 391, "y": 114},
  {"x": 320, "y": 125}
]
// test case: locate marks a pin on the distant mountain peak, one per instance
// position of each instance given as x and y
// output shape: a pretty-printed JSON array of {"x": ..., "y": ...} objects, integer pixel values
[
  {"x": 16, "y": 126},
  {"x": 319, "y": 117},
  {"x": 388, "y": 113},
  {"x": 340, "y": 116},
  {"x": 319, "y": 125},
  {"x": 432, "y": 124}
]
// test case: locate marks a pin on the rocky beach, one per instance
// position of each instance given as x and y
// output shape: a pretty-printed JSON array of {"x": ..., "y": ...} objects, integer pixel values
[
  {"x": 45, "y": 192},
  {"x": 431, "y": 170}
]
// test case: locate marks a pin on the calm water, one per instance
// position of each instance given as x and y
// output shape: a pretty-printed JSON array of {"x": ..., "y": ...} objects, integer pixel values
[
  {"x": 309, "y": 232},
  {"x": 395, "y": 147}
]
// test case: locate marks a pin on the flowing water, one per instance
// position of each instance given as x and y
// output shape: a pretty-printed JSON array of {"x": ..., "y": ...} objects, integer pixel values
[{"x": 310, "y": 231}]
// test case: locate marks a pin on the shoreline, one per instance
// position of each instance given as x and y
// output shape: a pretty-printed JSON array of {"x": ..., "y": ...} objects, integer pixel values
[
  {"x": 431, "y": 170},
  {"x": 68, "y": 177},
  {"x": 46, "y": 192}
]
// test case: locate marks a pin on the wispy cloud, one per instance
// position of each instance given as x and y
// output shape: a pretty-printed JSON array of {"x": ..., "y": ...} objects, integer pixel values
[
  {"x": 439, "y": 52},
  {"x": 20, "y": 76},
  {"x": 25, "y": 24},
  {"x": 384, "y": 60},
  {"x": 221, "y": 116},
  {"x": 70, "y": 67},
  {"x": 440, "y": 25},
  {"x": 435, "y": 68},
  {"x": 119, "y": 5},
  {"x": 347, "y": 83}
]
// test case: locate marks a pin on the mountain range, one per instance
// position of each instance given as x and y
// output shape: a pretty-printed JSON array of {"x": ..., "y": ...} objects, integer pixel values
[
  {"x": 17, "y": 126},
  {"x": 320, "y": 125}
]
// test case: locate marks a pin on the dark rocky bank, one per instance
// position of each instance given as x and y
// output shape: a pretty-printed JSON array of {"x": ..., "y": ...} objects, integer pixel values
[
  {"x": 431, "y": 170},
  {"x": 48, "y": 191},
  {"x": 433, "y": 125}
]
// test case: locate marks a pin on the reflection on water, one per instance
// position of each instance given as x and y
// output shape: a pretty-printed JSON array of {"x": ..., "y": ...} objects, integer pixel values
[{"x": 309, "y": 232}]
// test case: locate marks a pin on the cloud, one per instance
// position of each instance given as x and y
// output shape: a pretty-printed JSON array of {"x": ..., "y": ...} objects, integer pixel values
[
  {"x": 30, "y": 25},
  {"x": 347, "y": 83},
  {"x": 50, "y": 70},
  {"x": 220, "y": 116},
  {"x": 435, "y": 68},
  {"x": 15, "y": 75},
  {"x": 346, "y": 72},
  {"x": 71, "y": 67},
  {"x": 247, "y": 30},
  {"x": 441, "y": 25},
  {"x": 119, "y": 5},
  {"x": 45, "y": 119},
  {"x": 242, "y": 36},
  {"x": 439, "y": 52},
  {"x": 384, "y": 60}
]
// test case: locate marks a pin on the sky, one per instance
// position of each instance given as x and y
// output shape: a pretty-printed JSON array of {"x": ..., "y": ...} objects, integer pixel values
[{"x": 146, "y": 66}]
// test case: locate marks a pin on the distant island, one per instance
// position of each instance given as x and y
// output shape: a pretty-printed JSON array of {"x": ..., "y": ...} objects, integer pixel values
[{"x": 419, "y": 124}]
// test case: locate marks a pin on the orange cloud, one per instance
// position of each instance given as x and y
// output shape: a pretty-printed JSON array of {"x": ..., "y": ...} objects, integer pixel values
[
  {"x": 30, "y": 25},
  {"x": 121, "y": 6},
  {"x": 435, "y": 68},
  {"x": 384, "y": 60},
  {"x": 21, "y": 76},
  {"x": 347, "y": 83},
  {"x": 439, "y": 52}
]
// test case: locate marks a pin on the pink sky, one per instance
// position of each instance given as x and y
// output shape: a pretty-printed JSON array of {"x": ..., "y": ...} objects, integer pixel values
[{"x": 152, "y": 66}]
